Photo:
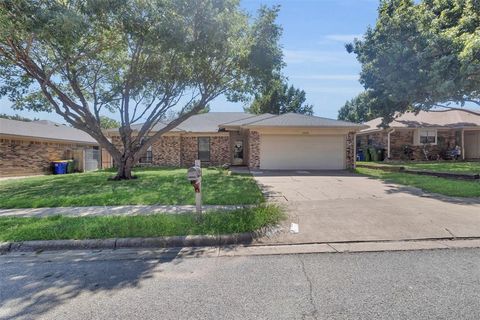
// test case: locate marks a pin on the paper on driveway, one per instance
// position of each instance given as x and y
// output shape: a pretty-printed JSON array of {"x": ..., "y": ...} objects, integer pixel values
[{"x": 294, "y": 228}]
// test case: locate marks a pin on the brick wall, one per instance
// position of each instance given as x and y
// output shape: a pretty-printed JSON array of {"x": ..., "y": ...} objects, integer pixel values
[
  {"x": 219, "y": 150},
  {"x": 398, "y": 140},
  {"x": 189, "y": 150},
  {"x": 166, "y": 151},
  {"x": 183, "y": 150},
  {"x": 376, "y": 139},
  {"x": 350, "y": 150},
  {"x": 24, "y": 157},
  {"x": 446, "y": 140},
  {"x": 254, "y": 149}
]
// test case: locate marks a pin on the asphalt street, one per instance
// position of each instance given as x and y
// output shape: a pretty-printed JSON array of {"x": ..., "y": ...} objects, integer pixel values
[{"x": 434, "y": 284}]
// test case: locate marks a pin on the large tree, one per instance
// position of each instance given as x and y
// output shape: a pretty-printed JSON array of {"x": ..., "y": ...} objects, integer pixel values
[
  {"x": 135, "y": 58},
  {"x": 278, "y": 98},
  {"x": 422, "y": 55}
]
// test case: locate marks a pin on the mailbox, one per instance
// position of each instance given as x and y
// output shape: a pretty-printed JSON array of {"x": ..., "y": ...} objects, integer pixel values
[{"x": 194, "y": 174}]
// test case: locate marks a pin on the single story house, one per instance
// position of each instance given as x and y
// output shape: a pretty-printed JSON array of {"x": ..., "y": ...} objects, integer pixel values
[
  {"x": 433, "y": 134},
  {"x": 28, "y": 148},
  {"x": 287, "y": 141}
]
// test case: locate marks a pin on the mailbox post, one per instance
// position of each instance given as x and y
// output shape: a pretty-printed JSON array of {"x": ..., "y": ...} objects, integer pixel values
[{"x": 194, "y": 175}]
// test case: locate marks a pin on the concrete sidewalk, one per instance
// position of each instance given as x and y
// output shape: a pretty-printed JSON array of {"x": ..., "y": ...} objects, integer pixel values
[{"x": 112, "y": 210}]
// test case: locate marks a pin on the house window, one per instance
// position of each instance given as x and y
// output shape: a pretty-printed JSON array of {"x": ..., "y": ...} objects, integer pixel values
[
  {"x": 428, "y": 136},
  {"x": 204, "y": 148},
  {"x": 147, "y": 157}
]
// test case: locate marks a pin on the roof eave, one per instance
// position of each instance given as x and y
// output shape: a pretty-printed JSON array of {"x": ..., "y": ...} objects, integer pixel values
[
  {"x": 355, "y": 127},
  {"x": 93, "y": 143}
]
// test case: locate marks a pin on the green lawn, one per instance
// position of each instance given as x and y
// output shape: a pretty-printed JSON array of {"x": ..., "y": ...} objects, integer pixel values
[
  {"x": 439, "y": 166},
  {"x": 449, "y": 187},
  {"x": 60, "y": 227},
  {"x": 153, "y": 186}
]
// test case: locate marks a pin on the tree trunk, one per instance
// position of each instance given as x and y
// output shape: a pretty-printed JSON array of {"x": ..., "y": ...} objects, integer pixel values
[{"x": 124, "y": 169}]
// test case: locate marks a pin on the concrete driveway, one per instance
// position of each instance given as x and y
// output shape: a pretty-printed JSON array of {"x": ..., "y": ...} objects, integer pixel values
[{"x": 341, "y": 206}]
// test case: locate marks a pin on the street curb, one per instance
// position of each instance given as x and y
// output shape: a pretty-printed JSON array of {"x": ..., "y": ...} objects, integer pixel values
[
  {"x": 118, "y": 243},
  {"x": 246, "y": 239}
]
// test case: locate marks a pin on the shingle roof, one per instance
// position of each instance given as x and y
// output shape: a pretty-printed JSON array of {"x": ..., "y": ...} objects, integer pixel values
[
  {"x": 301, "y": 120},
  {"x": 44, "y": 130},
  {"x": 204, "y": 122},
  {"x": 251, "y": 118},
  {"x": 160, "y": 125},
  {"x": 210, "y": 121},
  {"x": 213, "y": 121},
  {"x": 445, "y": 118}
]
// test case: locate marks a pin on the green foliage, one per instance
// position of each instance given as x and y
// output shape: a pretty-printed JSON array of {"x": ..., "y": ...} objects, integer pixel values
[
  {"x": 420, "y": 55},
  {"x": 17, "y": 117},
  {"x": 108, "y": 123},
  {"x": 359, "y": 109},
  {"x": 438, "y": 166},
  {"x": 213, "y": 223},
  {"x": 134, "y": 58},
  {"x": 449, "y": 187},
  {"x": 153, "y": 186},
  {"x": 279, "y": 98}
]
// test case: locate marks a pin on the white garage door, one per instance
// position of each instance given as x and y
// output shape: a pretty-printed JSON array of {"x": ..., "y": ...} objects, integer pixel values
[{"x": 320, "y": 152}]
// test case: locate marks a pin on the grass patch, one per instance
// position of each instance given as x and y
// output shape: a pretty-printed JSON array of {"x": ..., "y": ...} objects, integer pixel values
[
  {"x": 449, "y": 187},
  {"x": 154, "y": 186},
  {"x": 438, "y": 166},
  {"x": 103, "y": 227}
]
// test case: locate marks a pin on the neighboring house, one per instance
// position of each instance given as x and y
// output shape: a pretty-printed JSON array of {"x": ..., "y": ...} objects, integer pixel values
[
  {"x": 432, "y": 135},
  {"x": 287, "y": 141},
  {"x": 29, "y": 147}
]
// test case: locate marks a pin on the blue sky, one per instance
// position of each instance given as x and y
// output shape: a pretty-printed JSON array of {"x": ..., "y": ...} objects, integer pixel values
[{"x": 314, "y": 35}]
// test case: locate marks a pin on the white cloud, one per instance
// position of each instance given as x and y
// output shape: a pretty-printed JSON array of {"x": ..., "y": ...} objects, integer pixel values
[
  {"x": 343, "y": 37},
  {"x": 326, "y": 77}
]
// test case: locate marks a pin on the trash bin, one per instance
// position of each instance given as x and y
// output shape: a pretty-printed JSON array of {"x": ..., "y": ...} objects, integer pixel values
[
  {"x": 367, "y": 155},
  {"x": 70, "y": 166},
  {"x": 381, "y": 154},
  {"x": 373, "y": 154},
  {"x": 360, "y": 155},
  {"x": 60, "y": 167}
]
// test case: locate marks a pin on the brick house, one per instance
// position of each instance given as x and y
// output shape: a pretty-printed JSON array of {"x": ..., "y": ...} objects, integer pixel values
[
  {"x": 431, "y": 135},
  {"x": 288, "y": 141},
  {"x": 28, "y": 148}
]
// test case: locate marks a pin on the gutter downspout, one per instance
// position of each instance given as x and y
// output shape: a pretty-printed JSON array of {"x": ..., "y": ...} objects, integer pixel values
[
  {"x": 388, "y": 143},
  {"x": 463, "y": 144}
]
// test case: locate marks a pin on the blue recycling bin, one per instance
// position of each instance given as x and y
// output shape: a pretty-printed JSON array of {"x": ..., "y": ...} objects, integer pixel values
[
  {"x": 360, "y": 155},
  {"x": 60, "y": 167}
]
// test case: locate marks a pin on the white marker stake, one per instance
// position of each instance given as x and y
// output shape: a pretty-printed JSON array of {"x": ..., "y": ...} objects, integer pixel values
[{"x": 198, "y": 195}]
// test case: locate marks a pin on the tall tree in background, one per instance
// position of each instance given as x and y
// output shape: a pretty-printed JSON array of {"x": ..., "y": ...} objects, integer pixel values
[
  {"x": 108, "y": 123},
  {"x": 419, "y": 56},
  {"x": 134, "y": 58},
  {"x": 278, "y": 98},
  {"x": 17, "y": 117},
  {"x": 359, "y": 109}
]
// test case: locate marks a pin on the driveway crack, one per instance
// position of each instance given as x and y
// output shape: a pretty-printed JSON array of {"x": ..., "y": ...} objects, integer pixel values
[
  {"x": 453, "y": 236},
  {"x": 314, "y": 312}
]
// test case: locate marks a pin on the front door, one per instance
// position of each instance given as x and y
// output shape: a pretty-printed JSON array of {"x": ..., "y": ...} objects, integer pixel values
[{"x": 238, "y": 152}]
